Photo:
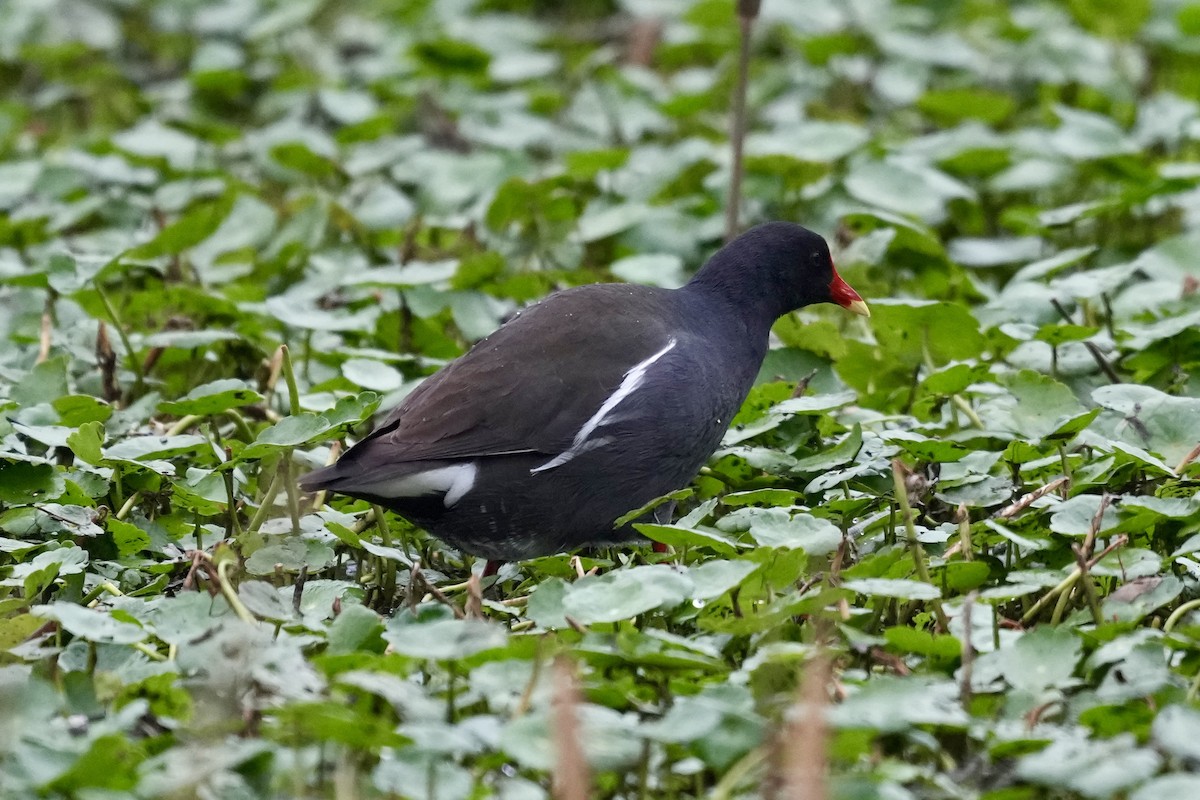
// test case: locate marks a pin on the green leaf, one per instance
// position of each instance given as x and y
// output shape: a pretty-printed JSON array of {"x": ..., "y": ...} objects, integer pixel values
[
  {"x": 76, "y": 409},
  {"x": 372, "y": 374},
  {"x": 442, "y": 639},
  {"x": 900, "y": 588},
  {"x": 290, "y": 554},
  {"x": 263, "y": 600},
  {"x": 546, "y": 603},
  {"x": 1042, "y": 658},
  {"x": 923, "y": 643},
  {"x": 129, "y": 538},
  {"x": 43, "y": 384},
  {"x": 1168, "y": 786},
  {"x": 888, "y": 704},
  {"x": 954, "y": 105},
  {"x": 144, "y": 447},
  {"x": 844, "y": 451},
  {"x": 199, "y": 223},
  {"x": 288, "y": 432},
  {"x": 86, "y": 442},
  {"x": 356, "y": 628},
  {"x": 907, "y": 329},
  {"x": 87, "y": 623},
  {"x": 1177, "y": 731},
  {"x": 1146, "y": 417},
  {"x": 775, "y": 527},
  {"x": 1035, "y": 407},
  {"x": 713, "y": 578},
  {"x": 653, "y": 269},
  {"x": 1074, "y": 517},
  {"x": 212, "y": 398},
  {"x": 1095, "y": 769},
  {"x": 623, "y": 594},
  {"x": 680, "y": 537},
  {"x": 22, "y": 482}
]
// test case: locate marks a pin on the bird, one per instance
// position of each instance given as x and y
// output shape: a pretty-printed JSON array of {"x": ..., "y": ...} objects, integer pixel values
[{"x": 587, "y": 404}]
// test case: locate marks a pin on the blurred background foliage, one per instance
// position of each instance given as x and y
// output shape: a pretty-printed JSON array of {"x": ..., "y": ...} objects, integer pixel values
[{"x": 187, "y": 185}]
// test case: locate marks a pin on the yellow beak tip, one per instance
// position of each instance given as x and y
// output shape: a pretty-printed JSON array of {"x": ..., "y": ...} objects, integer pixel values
[{"x": 859, "y": 307}]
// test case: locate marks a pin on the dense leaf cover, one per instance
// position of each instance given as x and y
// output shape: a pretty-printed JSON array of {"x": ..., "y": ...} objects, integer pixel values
[{"x": 187, "y": 185}]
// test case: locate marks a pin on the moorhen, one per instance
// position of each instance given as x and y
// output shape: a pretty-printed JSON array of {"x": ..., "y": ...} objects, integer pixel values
[{"x": 587, "y": 404}]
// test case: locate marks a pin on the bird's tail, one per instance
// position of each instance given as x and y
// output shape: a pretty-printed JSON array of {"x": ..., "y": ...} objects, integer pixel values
[{"x": 324, "y": 478}]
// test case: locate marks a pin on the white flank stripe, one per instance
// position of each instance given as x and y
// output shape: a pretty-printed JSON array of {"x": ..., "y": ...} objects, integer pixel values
[
  {"x": 634, "y": 378},
  {"x": 453, "y": 481}
]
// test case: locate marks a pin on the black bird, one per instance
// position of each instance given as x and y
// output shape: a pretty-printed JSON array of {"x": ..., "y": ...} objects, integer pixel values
[{"x": 587, "y": 404}]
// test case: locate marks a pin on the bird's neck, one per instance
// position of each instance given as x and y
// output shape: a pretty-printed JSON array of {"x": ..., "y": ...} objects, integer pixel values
[{"x": 740, "y": 294}]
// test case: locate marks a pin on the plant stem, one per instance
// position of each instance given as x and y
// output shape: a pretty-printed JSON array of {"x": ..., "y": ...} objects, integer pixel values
[
  {"x": 183, "y": 424},
  {"x": 738, "y": 772},
  {"x": 1179, "y": 614},
  {"x": 747, "y": 10},
  {"x": 914, "y": 544},
  {"x": 268, "y": 500},
  {"x": 129, "y": 504},
  {"x": 289, "y": 375},
  {"x": 289, "y": 486},
  {"x": 230, "y": 595},
  {"x": 124, "y": 337},
  {"x": 1069, "y": 581}
]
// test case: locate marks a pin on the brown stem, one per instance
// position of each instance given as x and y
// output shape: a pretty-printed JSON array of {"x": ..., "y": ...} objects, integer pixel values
[
  {"x": 804, "y": 744},
  {"x": 106, "y": 359},
  {"x": 1189, "y": 458},
  {"x": 570, "y": 779},
  {"x": 46, "y": 330},
  {"x": 1097, "y": 356},
  {"x": 968, "y": 652},
  {"x": 747, "y": 10},
  {"x": 1008, "y": 512}
]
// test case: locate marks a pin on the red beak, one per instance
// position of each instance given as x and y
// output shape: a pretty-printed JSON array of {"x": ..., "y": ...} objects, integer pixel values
[{"x": 841, "y": 293}]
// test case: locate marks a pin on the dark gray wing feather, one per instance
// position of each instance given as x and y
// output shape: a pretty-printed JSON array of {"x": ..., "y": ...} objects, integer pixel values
[{"x": 517, "y": 393}]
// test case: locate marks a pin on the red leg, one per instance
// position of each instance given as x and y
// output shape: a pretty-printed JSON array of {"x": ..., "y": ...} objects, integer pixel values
[{"x": 491, "y": 568}]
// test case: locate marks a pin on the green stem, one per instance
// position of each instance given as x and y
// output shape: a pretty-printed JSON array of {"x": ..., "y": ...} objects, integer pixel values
[
  {"x": 230, "y": 595},
  {"x": 1063, "y": 585},
  {"x": 914, "y": 544},
  {"x": 1066, "y": 465},
  {"x": 1060, "y": 608},
  {"x": 149, "y": 651},
  {"x": 738, "y": 772},
  {"x": 264, "y": 508},
  {"x": 103, "y": 586},
  {"x": 1179, "y": 614},
  {"x": 965, "y": 407},
  {"x": 235, "y": 527},
  {"x": 1069, "y": 581},
  {"x": 959, "y": 403},
  {"x": 289, "y": 486},
  {"x": 1089, "y": 587},
  {"x": 289, "y": 375},
  {"x": 387, "y": 570},
  {"x": 130, "y": 356},
  {"x": 184, "y": 424},
  {"x": 239, "y": 422},
  {"x": 129, "y": 504},
  {"x": 964, "y": 534}
]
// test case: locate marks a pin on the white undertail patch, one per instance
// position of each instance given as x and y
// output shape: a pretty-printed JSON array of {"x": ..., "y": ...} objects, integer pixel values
[
  {"x": 634, "y": 377},
  {"x": 453, "y": 481}
]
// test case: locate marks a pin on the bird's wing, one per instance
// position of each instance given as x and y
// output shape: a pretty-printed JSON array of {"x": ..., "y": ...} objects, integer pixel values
[{"x": 534, "y": 384}]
